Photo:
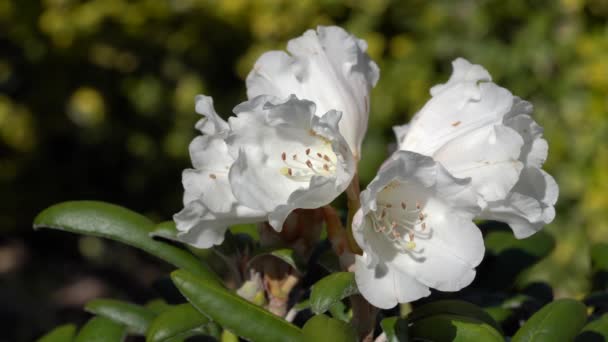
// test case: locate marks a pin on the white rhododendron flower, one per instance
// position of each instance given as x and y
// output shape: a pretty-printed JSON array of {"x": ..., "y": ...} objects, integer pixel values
[
  {"x": 329, "y": 67},
  {"x": 416, "y": 231},
  {"x": 477, "y": 129},
  {"x": 274, "y": 157}
]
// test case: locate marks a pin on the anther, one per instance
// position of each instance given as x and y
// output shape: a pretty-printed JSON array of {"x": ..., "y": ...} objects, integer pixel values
[
  {"x": 289, "y": 172},
  {"x": 325, "y": 167},
  {"x": 417, "y": 205},
  {"x": 319, "y": 155},
  {"x": 421, "y": 216},
  {"x": 295, "y": 157},
  {"x": 326, "y": 158},
  {"x": 283, "y": 156},
  {"x": 403, "y": 205},
  {"x": 212, "y": 176},
  {"x": 423, "y": 225},
  {"x": 389, "y": 205},
  {"x": 309, "y": 164},
  {"x": 307, "y": 151},
  {"x": 383, "y": 214}
]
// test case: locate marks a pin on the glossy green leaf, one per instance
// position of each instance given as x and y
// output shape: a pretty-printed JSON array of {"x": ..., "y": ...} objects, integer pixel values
[
  {"x": 165, "y": 230},
  {"x": 455, "y": 328},
  {"x": 63, "y": 333},
  {"x": 120, "y": 224},
  {"x": 158, "y": 306},
  {"x": 331, "y": 289},
  {"x": 287, "y": 255},
  {"x": 323, "y": 328},
  {"x": 596, "y": 330},
  {"x": 453, "y": 307},
  {"x": 560, "y": 320},
  {"x": 101, "y": 329},
  {"x": 233, "y": 312},
  {"x": 180, "y": 321},
  {"x": 499, "y": 314},
  {"x": 395, "y": 329},
  {"x": 135, "y": 317}
]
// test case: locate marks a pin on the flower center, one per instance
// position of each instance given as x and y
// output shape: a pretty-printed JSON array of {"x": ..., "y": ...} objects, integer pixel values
[
  {"x": 401, "y": 223},
  {"x": 301, "y": 166}
]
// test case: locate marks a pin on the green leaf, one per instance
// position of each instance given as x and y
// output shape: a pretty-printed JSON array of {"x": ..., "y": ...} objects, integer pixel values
[
  {"x": 287, "y": 255},
  {"x": 158, "y": 305},
  {"x": 135, "y": 317},
  {"x": 166, "y": 230},
  {"x": 455, "y": 328},
  {"x": 180, "y": 321},
  {"x": 340, "y": 311},
  {"x": 453, "y": 307},
  {"x": 63, "y": 333},
  {"x": 120, "y": 224},
  {"x": 331, "y": 289},
  {"x": 233, "y": 312},
  {"x": 560, "y": 320},
  {"x": 395, "y": 329},
  {"x": 596, "y": 330},
  {"x": 101, "y": 329},
  {"x": 323, "y": 328}
]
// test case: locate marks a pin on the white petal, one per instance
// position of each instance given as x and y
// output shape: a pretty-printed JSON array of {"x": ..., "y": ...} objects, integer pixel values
[
  {"x": 208, "y": 182},
  {"x": 462, "y": 106},
  {"x": 463, "y": 71},
  {"x": 450, "y": 256},
  {"x": 384, "y": 287},
  {"x": 327, "y": 66},
  {"x": 489, "y": 156},
  {"x": 535, "y": 149},
  {"x": 530, "y": 206},
  {"x": 202, "y": 228},
  {"x": 212, "y": 123}
]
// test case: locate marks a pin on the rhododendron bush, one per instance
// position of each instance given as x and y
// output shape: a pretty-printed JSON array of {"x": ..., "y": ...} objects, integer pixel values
[{"x": 427, "y": 250}]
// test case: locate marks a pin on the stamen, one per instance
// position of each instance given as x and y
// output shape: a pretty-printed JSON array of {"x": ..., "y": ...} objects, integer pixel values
[
  {"x": 309, "y": 164},
  {"x": 325, "y": 167},
  {"x": 283, "y": 156},
  {"x": 319, "y": 155},
  {"x": 212, "y": 176},
  {"x": 294, "y": 157},
  {"x": 326, "y": 158},
  {"x": 421, "y": 216},
  {"x": 307, "y": 151},
  {"x": 289, "y": 172}
]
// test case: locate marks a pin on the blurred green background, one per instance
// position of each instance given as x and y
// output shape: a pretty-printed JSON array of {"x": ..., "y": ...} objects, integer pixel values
[{"x": 96, "y": 102}]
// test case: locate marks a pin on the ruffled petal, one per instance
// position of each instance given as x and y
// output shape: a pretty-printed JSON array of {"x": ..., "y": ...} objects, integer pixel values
[
  {"x": 468, "y": 101},
  {"x": 327, "y": 66},
  {"x": 212, "y": 123},
  {"x": 529, "y": 207}
]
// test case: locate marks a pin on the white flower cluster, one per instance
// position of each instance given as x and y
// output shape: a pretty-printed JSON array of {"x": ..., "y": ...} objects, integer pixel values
[{"x": 472, "y": 152}]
